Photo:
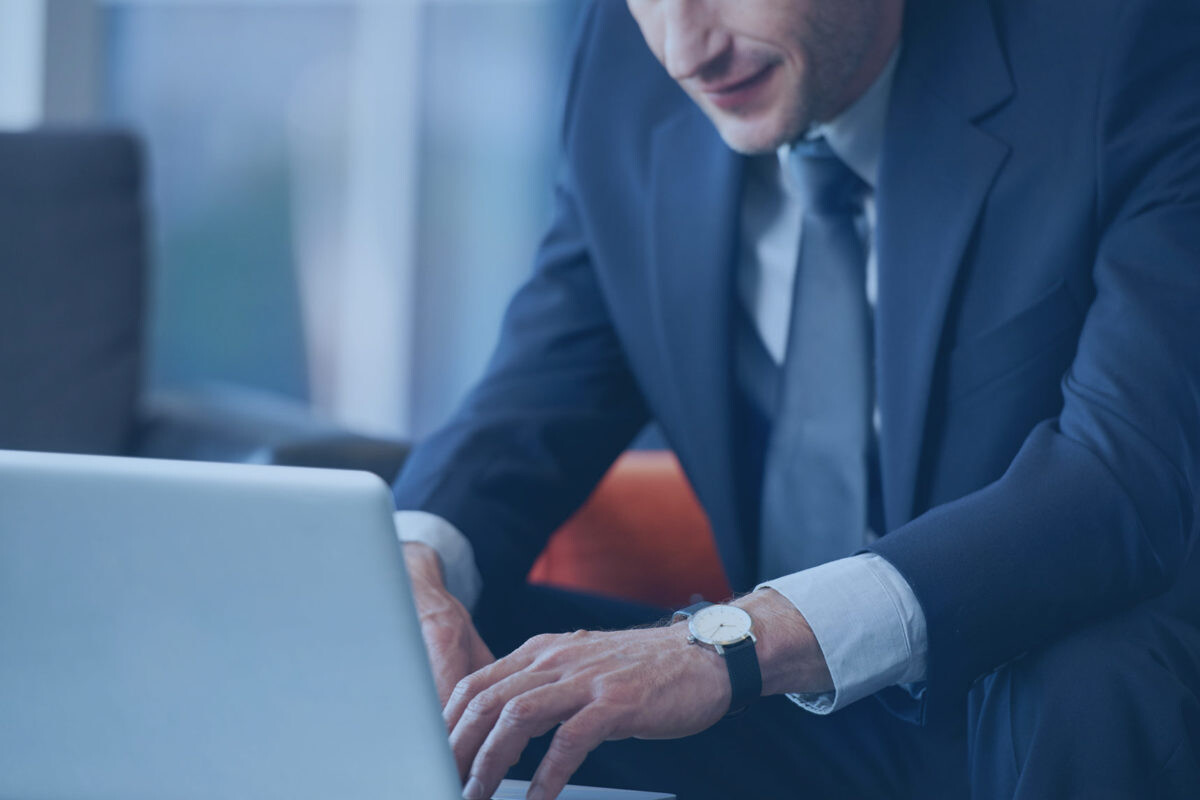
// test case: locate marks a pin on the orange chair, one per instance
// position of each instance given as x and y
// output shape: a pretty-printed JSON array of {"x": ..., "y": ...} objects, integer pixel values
[{"x": 642, "y": 536}]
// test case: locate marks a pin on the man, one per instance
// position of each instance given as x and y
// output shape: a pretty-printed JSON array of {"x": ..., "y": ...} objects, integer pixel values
[{"x": 928, "y": 269}]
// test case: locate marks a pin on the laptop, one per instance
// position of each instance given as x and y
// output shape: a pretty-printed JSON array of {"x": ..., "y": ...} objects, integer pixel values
[{"x": 185, "y": 630}]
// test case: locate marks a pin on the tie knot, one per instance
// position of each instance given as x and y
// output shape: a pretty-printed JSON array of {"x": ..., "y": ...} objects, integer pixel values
[{"x": 829, "y": 186}]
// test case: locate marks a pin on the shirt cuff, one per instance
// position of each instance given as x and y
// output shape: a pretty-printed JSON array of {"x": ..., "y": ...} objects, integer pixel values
[
  {"x": 867, "y": 622},
  {"x": 459, "y": 571}
]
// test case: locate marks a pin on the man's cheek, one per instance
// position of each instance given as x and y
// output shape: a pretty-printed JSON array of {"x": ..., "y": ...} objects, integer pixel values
[{"x": 649, "y": 21}]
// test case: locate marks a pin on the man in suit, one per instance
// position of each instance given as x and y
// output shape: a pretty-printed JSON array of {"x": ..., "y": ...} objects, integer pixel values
[{"x": 929, "y": 270}]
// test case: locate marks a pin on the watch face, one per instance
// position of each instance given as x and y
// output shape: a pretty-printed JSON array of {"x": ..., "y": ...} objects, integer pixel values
[{"x": 720, "y": 625}]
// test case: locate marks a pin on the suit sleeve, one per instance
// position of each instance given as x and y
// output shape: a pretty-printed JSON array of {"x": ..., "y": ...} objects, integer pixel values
[
  {"x": 1098, "y": 509},
  {"x": 556, "y": 405}
]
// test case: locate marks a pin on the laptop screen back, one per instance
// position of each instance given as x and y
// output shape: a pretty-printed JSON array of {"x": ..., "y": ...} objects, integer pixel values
[{"x": 179, "y": 630}]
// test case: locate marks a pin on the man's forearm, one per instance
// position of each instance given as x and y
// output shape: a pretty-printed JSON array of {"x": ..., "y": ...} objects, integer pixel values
[{"x": 788, "y": 654}]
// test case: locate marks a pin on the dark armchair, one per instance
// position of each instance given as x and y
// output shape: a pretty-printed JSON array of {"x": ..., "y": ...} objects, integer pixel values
[{"x": 73, "y": 271}]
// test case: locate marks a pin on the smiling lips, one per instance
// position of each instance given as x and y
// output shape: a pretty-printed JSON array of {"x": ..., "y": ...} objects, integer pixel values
[{"x": 732, "y": 95}]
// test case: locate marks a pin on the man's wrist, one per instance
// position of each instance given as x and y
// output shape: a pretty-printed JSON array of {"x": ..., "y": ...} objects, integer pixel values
[
  {"x": 708, "y": 662},
  {"x": 456, "y": 569},
  {"x": 789, "y": 656},
  {"x": 867, "y": 623},
  {"x": 435, "y": 604},
  {"x": 729, "y": 631},
  {"x": 424, "y": 564}
]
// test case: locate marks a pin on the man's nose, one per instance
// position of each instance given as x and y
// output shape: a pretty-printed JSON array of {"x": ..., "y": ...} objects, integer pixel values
[{"x": 694, "y": 38}]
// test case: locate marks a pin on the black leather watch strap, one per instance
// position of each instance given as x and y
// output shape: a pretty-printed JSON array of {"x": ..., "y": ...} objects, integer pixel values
[
  {"x": 686, "y": 613},
  {"x": 745, "y": 677}
]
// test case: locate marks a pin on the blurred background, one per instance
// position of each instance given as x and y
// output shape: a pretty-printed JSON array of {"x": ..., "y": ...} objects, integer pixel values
[{"x": 343, "y": 193}]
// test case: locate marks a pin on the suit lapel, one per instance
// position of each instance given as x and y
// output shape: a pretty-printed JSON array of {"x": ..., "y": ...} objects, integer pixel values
[
  {"x": 936, "y": 171},
  {"x": 696, "y": 199}
]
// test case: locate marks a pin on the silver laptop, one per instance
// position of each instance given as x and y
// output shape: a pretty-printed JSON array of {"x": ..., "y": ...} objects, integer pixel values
[{"x": 182, "y": 630}]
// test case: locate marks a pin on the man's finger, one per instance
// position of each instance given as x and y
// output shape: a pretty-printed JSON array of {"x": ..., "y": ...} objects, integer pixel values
[
  {"x": 484, "y": 710},
  {"x": 452, "y": 664},
  {"x": 471, "y": 685},
  {"x": 578, "y": 736},
  {"x": 525, "y": 716},
  {"x": 446, "y": 676}
]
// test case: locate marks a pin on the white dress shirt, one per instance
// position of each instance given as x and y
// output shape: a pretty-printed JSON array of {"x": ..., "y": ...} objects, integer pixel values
[{"x": 865, "y": 618}]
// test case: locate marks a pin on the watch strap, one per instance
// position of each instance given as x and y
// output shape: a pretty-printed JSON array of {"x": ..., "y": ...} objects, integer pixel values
[
  {"x": 687, "y": 612},
  {"x": 745, "y": 677}
]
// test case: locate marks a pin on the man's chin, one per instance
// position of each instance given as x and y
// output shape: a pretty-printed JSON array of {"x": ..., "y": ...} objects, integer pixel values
[{"x": 752, "y": 137}]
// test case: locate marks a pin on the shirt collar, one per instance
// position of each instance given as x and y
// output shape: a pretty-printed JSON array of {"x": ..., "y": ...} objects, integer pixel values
[{"x": 856, "y": 135}]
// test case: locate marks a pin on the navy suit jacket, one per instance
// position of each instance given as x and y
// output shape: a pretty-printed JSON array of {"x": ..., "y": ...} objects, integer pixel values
[{"x": 1037, "y": 324}]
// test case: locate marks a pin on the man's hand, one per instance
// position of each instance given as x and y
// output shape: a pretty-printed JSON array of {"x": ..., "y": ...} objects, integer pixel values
[
  {"x": 455, "y": 647},
  {"x": 646, "y": 683}
]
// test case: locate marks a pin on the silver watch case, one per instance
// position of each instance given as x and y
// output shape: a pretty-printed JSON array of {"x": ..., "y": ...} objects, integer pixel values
[{"x": 720, "y": 626}]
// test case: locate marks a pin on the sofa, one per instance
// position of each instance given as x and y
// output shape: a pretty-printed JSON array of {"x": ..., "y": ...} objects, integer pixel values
[{"x": 73, "y": 288}]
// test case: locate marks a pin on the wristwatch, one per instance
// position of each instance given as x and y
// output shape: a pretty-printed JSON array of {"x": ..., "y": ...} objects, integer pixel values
[{"x": 728, "y": 630}]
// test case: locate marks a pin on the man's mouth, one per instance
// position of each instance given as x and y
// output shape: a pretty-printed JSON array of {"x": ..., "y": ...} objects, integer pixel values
[{"x": 733, "y": 94}]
